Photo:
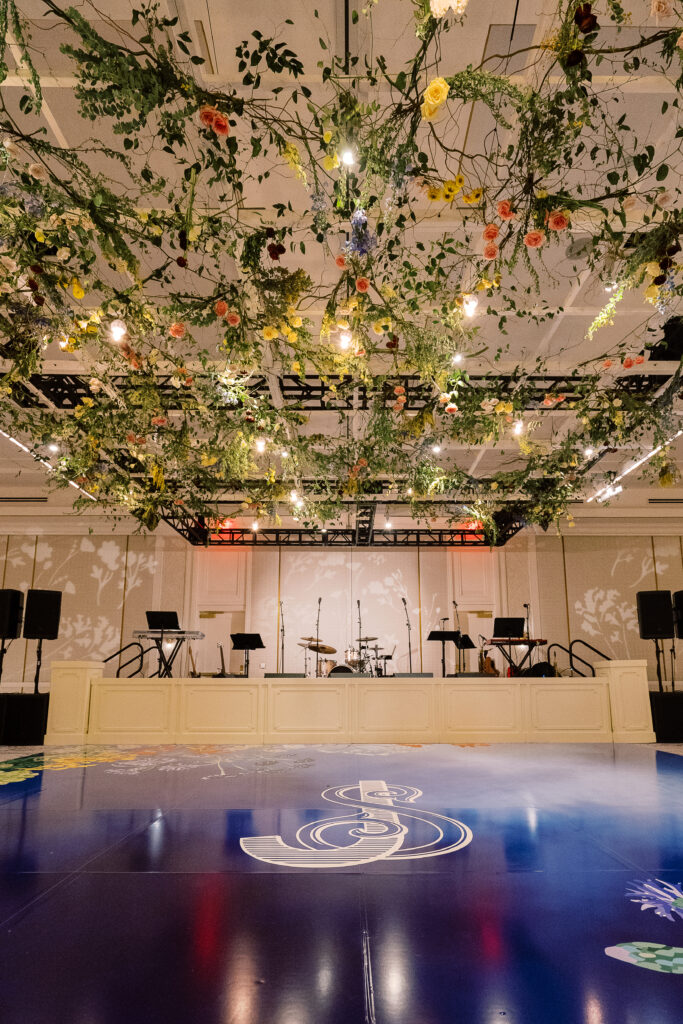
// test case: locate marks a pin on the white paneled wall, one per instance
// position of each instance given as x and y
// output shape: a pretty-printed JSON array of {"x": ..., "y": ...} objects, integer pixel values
[{"x": 577, "y": 586}]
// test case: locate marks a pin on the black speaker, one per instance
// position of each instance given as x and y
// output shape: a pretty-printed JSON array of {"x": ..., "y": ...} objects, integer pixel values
[
  {"x": 23, "y": 718},
  {"x": 655, "y": 614},
  {"x": 11, "y": 611},
  {"x": 43, "y": 610},
  {"x": 678, "y": 613}
]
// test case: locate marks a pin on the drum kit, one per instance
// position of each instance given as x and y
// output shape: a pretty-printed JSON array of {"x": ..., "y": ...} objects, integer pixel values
[{"x": 364, "y": 659}]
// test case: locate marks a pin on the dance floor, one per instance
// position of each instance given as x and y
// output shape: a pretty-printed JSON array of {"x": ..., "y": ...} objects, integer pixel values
[{"x": 428, "y": 885}]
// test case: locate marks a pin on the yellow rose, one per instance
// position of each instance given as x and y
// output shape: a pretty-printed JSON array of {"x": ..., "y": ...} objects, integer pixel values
[
  {"x": 39, "y": 235},
  {"x": 652, "y": 292},
  {"x": 269, "y": 333},
  {"x": 653, "y": 269},
  {"x": 429, "y": 111},
  {"x": 436, "y": 92},
  {"x": 77, "y": 290},
  {"x": 327, "y": 136},
  {"x": 296, "y": 321},
  {"x": 331, "y": 161}
]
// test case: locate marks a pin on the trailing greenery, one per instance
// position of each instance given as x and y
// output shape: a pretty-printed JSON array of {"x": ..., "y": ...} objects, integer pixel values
[{"x": 164, "y": 221}]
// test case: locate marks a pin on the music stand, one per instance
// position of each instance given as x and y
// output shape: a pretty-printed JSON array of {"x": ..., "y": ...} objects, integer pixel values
[
  {"x": 463, "y": 643},
  {"x": 246, "y": 642},
  {"x": 443, "y": 636}
]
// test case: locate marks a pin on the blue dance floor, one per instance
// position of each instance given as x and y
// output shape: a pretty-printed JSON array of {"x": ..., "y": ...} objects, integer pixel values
[{"x": 342, "y": 885}]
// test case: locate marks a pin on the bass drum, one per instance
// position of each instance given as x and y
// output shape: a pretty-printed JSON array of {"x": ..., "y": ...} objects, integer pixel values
[
  {"x": 326, "y": 667},
  {"x": 540, "y": 669},
  {"x": 341, "y": 670}
]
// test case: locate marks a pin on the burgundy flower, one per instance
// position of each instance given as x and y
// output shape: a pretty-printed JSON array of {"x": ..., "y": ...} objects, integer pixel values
[
  {"x": 585, "y": 20},
  {"x": 275, "y": 250}
]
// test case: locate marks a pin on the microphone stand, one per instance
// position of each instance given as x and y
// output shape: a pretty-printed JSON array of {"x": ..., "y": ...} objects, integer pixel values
[
  {"x": 443, "y": 622},
  {"x": 317, "y": 641},
  {"x": 410, "y": 649},
  {"x": 457, "y": 626},
  {"x": 527, "y": 634},
  {"x": 360, "y": 637},
  {"x": 282, "y": 639}
]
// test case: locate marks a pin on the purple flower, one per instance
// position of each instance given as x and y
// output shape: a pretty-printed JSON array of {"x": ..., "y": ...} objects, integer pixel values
[{"x": 662, "y": 897}]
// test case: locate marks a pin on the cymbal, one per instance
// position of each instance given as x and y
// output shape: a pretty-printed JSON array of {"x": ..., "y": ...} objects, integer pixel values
[
  {"x": 322, "y": 648},
  {"x": 366, "y": 639},
  {"x": 309, "y": 638},
  {"x": 301, "y": 645}
]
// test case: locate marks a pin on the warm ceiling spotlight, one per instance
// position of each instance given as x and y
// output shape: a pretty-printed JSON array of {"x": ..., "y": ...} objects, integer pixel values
[
  {"x": 387, "y": 524},
  {"x": 457, "y": 358},
  {"x": 260, "y": 445},
  {"x": 284, "y": 455},
  {"x": 53, "y": 448},
  {"x": 348, "y": 159},
  {"x": 254, "y": 525},
  {"x": 118, "y": 330},
  {"x": 293, "y": 496},
  {"x": 298, "y": 503},
  {"x": 588, "y": 452},
  {"x": 436, "y": 448},
  {"x": 409, "y": 491},
  {"x": 469, "y": 304},
  {"x": 519, "y": 427},
  {"x": 344, "y": 339}
]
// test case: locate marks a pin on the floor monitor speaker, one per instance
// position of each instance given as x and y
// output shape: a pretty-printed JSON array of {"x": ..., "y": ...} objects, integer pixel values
[
  {"x": 11, "y": 612},
  {"x": 41, "y": 618},
  {"x": 655, "y": 614}
]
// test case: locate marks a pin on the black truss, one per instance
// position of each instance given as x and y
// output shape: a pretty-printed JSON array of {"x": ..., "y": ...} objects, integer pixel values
[
  {"x": 198, "y": 533},
  {"x": 365, "y": 522},
  {"x": 312, "y": 394}
]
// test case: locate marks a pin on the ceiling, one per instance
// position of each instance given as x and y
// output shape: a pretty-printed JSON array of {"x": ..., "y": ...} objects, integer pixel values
[{"x": 216, "y": 28}]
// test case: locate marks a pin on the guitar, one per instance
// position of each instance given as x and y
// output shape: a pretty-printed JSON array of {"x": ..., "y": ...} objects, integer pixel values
[
  {"x": 194, "y": 674},
  {"x": 221, "y": 674}
]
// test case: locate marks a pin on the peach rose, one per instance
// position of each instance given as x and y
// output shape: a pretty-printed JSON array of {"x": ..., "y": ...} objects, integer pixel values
[
  {"x": 362, "y": 284},
  {"x": 233, "y": 318},
  {"x": 221, "y": 308},
  {"x": 207, "y": 115},
  {"x": 177, "y": 330},
  {"x": 504, "y": 209},
  {"x": 490, "y": 232},
  {"x": 639, "y": 360},
  {"x": 627, "y": 363},
  {"x": 220, "y": 125},
  {"x": 607, "y": 363},
  {"x": 491, "y": 251},
  {"x": 341, "y": 262},
  {"x": 159, "y": 421},
  {"x": 534, "y": 239},
  {"x": 558, "y": 221}
]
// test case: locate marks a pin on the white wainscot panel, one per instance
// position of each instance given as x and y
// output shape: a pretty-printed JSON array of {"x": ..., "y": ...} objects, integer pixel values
[
  {"x": 137, "y": 711},
  {"x": 220, "y": 579},
  {"x": 70, "y": 683},
  {"x": 568, "y": 711},
  {"x": 308, "y": 711},
  {"x": 484, "y": 711},
  {"x": 629, "y": 698},
  {"x": 398, "y": 712},
  {"x": 213, "y": 712}
]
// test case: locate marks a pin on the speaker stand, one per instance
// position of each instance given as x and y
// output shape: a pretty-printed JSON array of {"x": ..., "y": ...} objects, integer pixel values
[
  {"x": 659, "y": 666},
  {"x": 3, "y": 652},
  {"x": 39, "y": 658},
  {"x": 673, "y": 664}
]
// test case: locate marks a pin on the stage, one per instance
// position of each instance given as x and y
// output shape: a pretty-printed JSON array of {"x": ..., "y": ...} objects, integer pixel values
[{"x": 612, "y": 707}]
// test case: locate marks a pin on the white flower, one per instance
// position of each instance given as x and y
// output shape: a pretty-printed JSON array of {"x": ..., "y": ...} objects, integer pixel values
[
  {"x": 441, "y": 7},
  {"x": 10, "y": 148},
  {"x": 663, "y": 199},
  {"x": 64, "y": 253},
  {"x": 37, "y": 171},
  {"x": 661, "y": 9}
]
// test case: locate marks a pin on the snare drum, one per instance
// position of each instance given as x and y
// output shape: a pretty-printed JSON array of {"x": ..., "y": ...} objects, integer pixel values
[
  {"x": 352, "y": 657},
  {"x": 325, "y": 666}
]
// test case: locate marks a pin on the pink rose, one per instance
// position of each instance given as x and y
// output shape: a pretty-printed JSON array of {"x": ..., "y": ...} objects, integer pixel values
[
  {"x": 221, "y": 308},
  {"x": 233, "y": 318},
  {"x": 490, "y": 232},
  {"x": 534, "y": 239},
  {"x": 505, "y": 211},
  {"x": 177, "y": 330},
  {"x": 607, "y": 363},
  {"x": 207, "y": 115},
  {"x": 341, "y": 262},
  {"x": 362, "y": 284},
  {"x": 220, "y": 125},
  {"x": 558, "y": 221},
  {"x": 661, "y": 9},
  {"x": 491, "y": 251}
]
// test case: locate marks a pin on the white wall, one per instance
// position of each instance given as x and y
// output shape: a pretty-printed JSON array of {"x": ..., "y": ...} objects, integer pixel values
[{"x": 578, "y": 586}]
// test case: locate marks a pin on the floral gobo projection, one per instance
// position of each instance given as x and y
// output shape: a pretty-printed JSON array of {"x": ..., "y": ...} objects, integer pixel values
[{"x": 200, "y": 241}]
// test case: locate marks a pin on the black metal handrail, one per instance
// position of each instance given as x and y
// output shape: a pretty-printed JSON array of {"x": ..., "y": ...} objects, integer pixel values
[
  {"x": 138, "y": 656},
  {"x": 573, "y": 656},
  {"x": 590, "y": 648}
]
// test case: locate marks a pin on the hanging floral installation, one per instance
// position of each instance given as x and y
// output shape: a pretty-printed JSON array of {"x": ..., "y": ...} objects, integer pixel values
[{"x": 160, "y": 253}]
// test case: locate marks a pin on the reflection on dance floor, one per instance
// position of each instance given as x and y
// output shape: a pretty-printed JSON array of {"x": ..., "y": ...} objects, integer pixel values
[{"x": 324, "y": 884}]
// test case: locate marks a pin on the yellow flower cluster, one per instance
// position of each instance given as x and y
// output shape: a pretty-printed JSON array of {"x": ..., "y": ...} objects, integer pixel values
[
  {"x": 451, "y": 188},
  {"x": 292, "y": 158},
  {"x": 434, "y": 96}
]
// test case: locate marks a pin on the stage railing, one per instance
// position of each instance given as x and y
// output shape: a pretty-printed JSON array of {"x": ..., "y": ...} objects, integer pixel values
[
  {"x": 139, "y": 656},
  {"x": 573, "y": 657}
]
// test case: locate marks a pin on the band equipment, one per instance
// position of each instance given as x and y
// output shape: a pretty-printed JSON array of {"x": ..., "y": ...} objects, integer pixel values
[
  {"x": 173, "y": 639},
  {"x": 444, "y": 636},
  {"x": 221, "y": 674},
  {"x": 656, "y": 622},
  {"x": 41, "y": 621},
  {"x": 11, "y": 612},
  {"x": 246, "y": 642},
  {"x": 408, "y": 627},
  {"x": 507, "y": 644}
]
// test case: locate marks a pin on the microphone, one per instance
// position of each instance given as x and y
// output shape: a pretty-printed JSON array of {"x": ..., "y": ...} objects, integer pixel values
[
  {"x": 320, "y": 600},
  {"x": 404, "y": 600},
  {"x": 358, "y": 602}
]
